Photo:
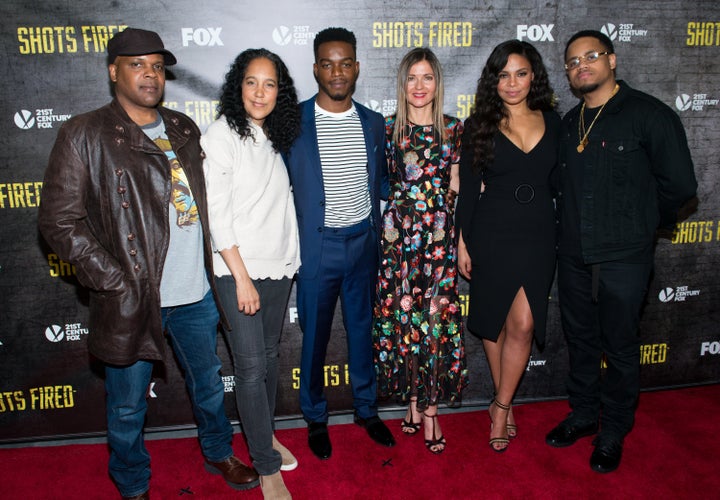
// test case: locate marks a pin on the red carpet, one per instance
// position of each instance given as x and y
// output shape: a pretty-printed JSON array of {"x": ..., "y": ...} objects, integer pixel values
[{"x": 673, "y": 452}]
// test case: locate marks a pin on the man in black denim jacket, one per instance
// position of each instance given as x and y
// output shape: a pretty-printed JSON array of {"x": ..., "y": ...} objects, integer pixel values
[{"x": 625, "y": 172}]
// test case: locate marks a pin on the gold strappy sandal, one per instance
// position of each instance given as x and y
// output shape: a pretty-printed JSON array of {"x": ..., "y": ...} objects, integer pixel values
[{"x": 498, "y": 440}]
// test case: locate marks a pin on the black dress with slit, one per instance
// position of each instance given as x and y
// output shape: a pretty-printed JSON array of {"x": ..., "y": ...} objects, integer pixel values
[{"x": 510, "y": 229}]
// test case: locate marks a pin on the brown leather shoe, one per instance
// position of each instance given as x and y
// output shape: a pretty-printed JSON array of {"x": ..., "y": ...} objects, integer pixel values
[
  {"x": 236, "y": 474},
  {"x": 141, "y": 496}
]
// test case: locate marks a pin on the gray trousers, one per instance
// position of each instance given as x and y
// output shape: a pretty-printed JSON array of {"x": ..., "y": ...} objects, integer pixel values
[{"x": 254, "y": 344}]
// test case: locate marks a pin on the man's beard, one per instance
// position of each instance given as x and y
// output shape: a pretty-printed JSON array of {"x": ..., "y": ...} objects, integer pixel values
[
  {"x": 586, "y": 89},
  {"x": 340, "y": 96}
]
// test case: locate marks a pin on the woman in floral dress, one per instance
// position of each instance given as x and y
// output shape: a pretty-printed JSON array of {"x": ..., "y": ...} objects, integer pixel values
[{"x": 417, "y": 337}]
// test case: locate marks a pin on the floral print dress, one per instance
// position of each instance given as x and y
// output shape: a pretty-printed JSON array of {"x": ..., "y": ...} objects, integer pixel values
[{"x": 417, "y": 335}]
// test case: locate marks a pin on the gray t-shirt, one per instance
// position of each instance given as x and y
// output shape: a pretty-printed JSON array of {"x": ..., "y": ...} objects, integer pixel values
[{"x": 183, "y": 279}]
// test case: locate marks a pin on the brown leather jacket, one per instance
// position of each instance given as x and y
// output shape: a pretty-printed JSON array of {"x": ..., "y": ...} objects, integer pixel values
[{"x": 104, "y": 208}]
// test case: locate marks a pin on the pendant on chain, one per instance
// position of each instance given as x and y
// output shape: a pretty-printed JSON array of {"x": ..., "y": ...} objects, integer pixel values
[{"x": 583, "y": 143}]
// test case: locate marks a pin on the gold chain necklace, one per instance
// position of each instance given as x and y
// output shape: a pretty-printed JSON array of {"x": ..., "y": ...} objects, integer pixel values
[{"x": 582, "y": 133}]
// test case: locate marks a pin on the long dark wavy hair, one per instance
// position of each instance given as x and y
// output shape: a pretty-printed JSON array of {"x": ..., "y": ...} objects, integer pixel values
[
  {"x": 282, "y": 125},
  {"x": 489, "y": 111}
]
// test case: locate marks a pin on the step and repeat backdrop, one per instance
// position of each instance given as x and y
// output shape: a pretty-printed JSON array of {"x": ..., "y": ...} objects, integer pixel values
[{"x": 54, "y": 67}]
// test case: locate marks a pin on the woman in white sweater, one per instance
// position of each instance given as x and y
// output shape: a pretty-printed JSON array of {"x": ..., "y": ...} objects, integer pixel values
[{"x": 255, "y": 238}]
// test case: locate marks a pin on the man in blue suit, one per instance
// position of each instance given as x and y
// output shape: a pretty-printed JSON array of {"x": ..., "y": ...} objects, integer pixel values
[{"x": 339, "y": 174}]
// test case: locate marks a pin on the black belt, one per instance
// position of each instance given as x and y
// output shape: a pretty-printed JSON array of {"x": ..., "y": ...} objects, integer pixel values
[{"x": 523, "y": 193}]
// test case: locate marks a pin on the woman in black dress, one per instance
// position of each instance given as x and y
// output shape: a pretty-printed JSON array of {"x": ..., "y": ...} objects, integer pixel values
[{"x": 506, "y": 217}]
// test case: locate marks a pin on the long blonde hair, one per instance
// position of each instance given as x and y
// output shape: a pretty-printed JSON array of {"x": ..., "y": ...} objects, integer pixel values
[{"x": 401, "y": 116}]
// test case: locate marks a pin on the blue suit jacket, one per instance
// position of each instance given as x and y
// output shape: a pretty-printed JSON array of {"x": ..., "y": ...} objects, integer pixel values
[{"x": 303, "y": 163}]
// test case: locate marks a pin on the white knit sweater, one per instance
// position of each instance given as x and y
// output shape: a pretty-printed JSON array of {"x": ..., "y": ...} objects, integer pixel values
[{"x": 250, "y": 203}]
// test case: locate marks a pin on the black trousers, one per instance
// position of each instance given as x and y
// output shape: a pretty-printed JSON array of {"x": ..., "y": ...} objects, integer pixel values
[{"x": 603, "y": 321}]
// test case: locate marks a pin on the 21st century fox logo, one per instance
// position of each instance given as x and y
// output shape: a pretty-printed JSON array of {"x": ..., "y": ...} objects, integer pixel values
[
  {"x": 71, "y": 333},
  {"x": 696, "y": 102},
  {"x": 298, "y": 35},
  {"x": 677, "y": 294},
  {"x": 623, "y": 32},
  {"x": 41, "y": 118}
]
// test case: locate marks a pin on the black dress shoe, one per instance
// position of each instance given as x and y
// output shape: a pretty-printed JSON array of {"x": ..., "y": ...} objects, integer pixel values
[
  {"x": 567, "y": 432},
  {"x": 319, "y": 440},
  {"x": 376, "y": 429},
  {"x": 606, "y": 456}
]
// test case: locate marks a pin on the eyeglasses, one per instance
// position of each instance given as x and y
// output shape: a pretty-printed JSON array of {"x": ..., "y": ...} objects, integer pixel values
[{"x": 590, "y": 57}]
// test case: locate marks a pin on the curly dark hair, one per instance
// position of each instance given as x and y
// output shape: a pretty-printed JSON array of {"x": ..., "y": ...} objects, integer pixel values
[
  {"x": 282, "y": 125},
  {"x": 490, "y": 110}
]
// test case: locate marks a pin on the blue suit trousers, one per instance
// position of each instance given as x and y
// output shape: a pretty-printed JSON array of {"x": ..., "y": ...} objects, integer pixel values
[{"x": 348, "y": 270}]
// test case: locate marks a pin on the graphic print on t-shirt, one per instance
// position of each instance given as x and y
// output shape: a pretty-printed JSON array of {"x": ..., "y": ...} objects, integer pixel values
[{"x": 182, "y": 197}]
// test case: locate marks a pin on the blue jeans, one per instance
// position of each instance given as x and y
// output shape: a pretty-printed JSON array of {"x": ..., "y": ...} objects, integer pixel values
[
  {"x": 192, "y": 329},
  {"x": 254, "y": 344}
]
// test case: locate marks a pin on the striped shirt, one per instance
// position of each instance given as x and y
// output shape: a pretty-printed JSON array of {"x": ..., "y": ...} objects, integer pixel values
[{"x": 343, "y": 158}]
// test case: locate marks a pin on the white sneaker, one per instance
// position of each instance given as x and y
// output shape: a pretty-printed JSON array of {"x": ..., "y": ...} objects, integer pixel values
[{"x": 289, "y": 462}]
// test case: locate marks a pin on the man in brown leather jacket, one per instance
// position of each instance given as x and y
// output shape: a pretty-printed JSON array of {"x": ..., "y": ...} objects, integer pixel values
[{"x": 124, "y": 201}]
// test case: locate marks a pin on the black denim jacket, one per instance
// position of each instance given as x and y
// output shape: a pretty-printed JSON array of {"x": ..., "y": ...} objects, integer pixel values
[{"x": 636, "y": 175}]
